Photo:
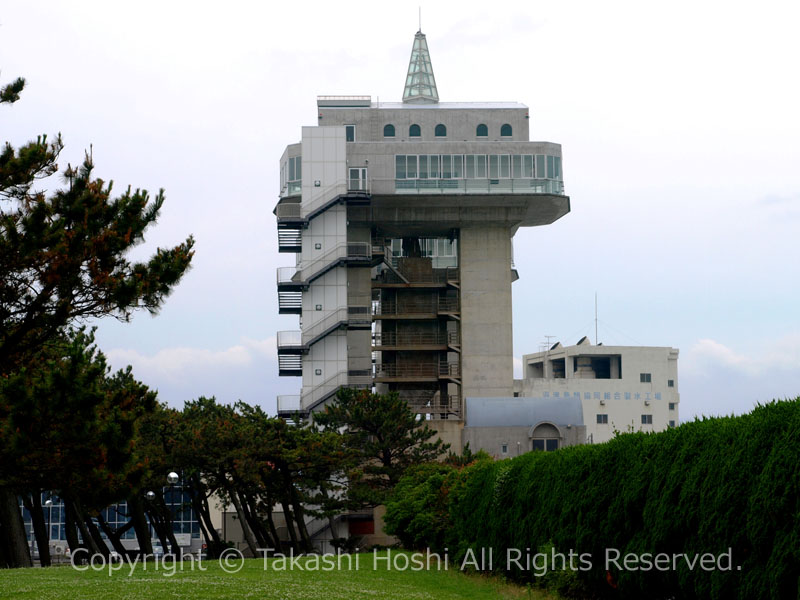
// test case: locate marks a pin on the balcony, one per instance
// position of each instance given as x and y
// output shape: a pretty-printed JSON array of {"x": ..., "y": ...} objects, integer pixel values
[
  {"x": 291, "y": 189},
  {"x": 468, "y": 186},
  {"x": 391, "y": 309},
  {"x": 290, "y": 350},
  {"x": 432, "y": 403},
  {"x": 288, "y": 405},
  {"x": 418, "y": 372},
  {"x": 437, "y": 340}
]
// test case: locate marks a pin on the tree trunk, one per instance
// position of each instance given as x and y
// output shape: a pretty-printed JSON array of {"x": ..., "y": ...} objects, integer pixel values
[
  {"x": 289, "y": 518},
  {"x": 33, "y": 503},
  {"x": 299, "y": 517},
  {"x": 272, "y": 529},
  {"x": 16, "y": 552},
  {"x": 96, "y": 537},
  {"x": 79, "y": 519},
  {"x": 69, "y": 529},
  {"x": 115, "y": 536},
  {"x": 250, "y": 509},
  {"x": 201, "y": 509},
  {"x": 167, "y": 524},
  {"x": 136, "y": 508},
  {"x": 248, "y": 535},
  {"x": 157, "y": 522}
]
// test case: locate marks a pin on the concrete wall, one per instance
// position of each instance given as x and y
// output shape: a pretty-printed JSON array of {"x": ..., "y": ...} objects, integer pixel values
[
  {"x": 517, "y": 440},
  {"x": 486, "y": 336},
  {"x": 449, "y": 432},
  {"x": 461, "y": 123}
]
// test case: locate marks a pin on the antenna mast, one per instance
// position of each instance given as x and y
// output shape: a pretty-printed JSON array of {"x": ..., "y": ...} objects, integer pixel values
[
  {"x": 420, "y": 18},
  {"x": 595, "y": 318}
]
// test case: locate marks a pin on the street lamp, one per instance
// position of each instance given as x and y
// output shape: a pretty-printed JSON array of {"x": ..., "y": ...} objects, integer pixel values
[
  {"x": 172, "y": 479},
  {"x": 151, "y": 495},
  {"x": 49, "y": 504}
]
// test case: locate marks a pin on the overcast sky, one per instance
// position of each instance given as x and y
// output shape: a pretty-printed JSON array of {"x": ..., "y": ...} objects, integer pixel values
[{"x": 680, "y": 129}]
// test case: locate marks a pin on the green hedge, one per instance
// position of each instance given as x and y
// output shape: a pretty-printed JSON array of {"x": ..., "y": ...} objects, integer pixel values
[{"x": 705, "y": 487}]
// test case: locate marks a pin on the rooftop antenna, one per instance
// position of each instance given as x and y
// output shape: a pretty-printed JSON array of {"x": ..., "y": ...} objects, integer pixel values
[
  {"x": 420, "y": 18},
  {"x": 595, "y": 318}
]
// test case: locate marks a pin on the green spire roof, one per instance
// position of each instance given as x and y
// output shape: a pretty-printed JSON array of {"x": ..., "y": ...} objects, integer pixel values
[{"x": 420, "y": 83}]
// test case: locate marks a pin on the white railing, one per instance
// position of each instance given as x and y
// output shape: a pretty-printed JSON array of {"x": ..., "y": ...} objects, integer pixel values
[
  {"x": 288, "y": 275},
  {"x": 290, "y": 340},
  {"x": 325, "y": 195},
  {"x": 330, "y": 385},
  {"x": 310, "y": 268},
  {"x": 321, "y": 326},
  {"x": 289, "y": 403}
]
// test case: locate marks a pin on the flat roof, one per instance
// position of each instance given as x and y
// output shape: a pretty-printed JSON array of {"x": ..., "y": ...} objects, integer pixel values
[{"x": 349, "y": 102}]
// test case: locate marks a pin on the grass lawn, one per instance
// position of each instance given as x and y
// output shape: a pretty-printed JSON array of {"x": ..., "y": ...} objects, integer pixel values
[{"x": 254, "y": 580}]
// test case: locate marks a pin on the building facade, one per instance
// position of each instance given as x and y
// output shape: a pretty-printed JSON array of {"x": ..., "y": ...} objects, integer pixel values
[
  {"x": 400, "y": 217},
  {"x": 620, "y": 388}
]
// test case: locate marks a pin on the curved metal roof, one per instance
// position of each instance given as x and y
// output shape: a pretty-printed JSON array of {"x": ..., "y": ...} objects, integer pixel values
[{"x": 522, "y": 412}]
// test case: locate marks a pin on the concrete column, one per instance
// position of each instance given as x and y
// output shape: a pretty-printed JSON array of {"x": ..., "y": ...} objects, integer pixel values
[{"x": 487, "y": 359}]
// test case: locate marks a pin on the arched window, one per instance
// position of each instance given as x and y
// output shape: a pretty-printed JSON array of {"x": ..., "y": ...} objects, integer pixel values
[
  {"x": 440, "y": 131},
  {"x": 482, "y": 131},
  {"x": 388, "y": 131},
  {"x": 545, "y": 437},
  {"x": 505, "y": 130},
  {"x": 414, "y": 131}
]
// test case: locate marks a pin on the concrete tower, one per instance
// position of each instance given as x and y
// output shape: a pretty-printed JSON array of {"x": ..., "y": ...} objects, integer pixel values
[{"x": 401, "y": 217}]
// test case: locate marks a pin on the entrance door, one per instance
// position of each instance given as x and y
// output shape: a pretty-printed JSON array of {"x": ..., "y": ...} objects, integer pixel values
[{"x": 358, "y": 179}]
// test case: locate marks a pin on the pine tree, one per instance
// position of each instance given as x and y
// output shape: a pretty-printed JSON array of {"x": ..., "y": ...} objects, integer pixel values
[{"x": 63, "y": 259}]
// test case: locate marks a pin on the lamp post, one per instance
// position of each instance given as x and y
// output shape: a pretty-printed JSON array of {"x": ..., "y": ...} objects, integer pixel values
[
  {"x": 172, "y": 479},
  {"x": 49, "y": 504}
]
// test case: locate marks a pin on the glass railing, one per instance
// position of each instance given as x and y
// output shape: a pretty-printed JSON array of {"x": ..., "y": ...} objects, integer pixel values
[
  {"x": 293, "y": 188},
  {"x": 469, "y": 186}
]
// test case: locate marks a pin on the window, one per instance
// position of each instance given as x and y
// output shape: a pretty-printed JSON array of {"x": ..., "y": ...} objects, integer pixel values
[
  {"x": 414, "y": 131},
  {"x": 545, "y": 438},
  {"x": 645, "y": 378},
  {"x": 647, "y": 419},
  {"x": 350, "y": 133},
  {"x": 672, "y": 406},
  {"x": 482, "y": 131},
  {"x": 545, "y": 445},
  {"x": 670, "y": 383},
  {"x": 505, "y": 130},
  {"x": 295, "y": 168},
  {"x": 440, "y": 131},
  {"x": 602, "y": 419},
  {"x": 672, "y": 423},
  {"x": 504, "y": 449},
  {"x": 388, "y": 131}
]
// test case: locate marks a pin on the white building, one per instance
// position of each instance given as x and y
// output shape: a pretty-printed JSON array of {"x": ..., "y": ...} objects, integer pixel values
[{"x": 621, "y": 388}]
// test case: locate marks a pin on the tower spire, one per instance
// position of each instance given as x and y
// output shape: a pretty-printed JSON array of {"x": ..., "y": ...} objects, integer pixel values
[{"x": 420, "y": 82}]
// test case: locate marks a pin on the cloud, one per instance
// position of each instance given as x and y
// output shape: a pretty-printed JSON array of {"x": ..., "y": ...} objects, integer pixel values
[
  {"x": 708, "y": 355},
  {"x": 178, "y": 363},
  {"x": 718, "y": 380}
]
